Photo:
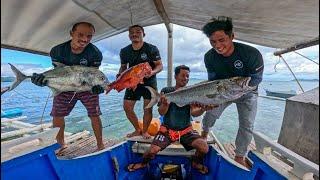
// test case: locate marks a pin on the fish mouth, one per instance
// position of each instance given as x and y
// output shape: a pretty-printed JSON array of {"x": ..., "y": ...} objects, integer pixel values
[{"x": 106, "y": 83}]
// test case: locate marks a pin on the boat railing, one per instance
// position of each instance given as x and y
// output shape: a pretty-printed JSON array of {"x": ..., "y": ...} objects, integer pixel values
[
  {"x": 300, "y": 165},
  {"x": 18, "y": 147}
]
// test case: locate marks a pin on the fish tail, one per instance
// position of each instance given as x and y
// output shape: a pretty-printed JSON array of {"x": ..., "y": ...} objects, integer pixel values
[
  {"x": 155, "y": 96},
  {"x": 19, "y": 77}
]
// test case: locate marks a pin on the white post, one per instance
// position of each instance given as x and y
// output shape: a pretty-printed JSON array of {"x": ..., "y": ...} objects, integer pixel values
[{"x": 170, "y": 48}]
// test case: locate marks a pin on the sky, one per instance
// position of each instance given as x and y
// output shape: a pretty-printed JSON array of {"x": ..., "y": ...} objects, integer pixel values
[{"x": 189, "y": 47}]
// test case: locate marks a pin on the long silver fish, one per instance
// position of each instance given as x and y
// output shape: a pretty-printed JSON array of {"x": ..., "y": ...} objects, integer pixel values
[
  {"x": 206, "y": 93},
  {"x": 67, "y": 78}
]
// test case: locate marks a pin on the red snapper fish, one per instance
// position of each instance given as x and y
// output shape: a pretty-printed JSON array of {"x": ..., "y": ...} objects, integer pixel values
[{"x": 130, "y": 78}]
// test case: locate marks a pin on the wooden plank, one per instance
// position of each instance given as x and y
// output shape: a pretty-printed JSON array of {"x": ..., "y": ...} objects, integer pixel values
[
  {"x": 25, "y": 145},
  {"x": 19, "y": 124},
  {"x": 83, "y": 147},
  {"x": 6, "y": 120},
  {"x": 24, "y": 131}
]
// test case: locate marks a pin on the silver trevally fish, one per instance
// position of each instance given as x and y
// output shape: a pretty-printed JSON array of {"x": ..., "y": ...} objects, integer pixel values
[
  {"x": 206, "y": 93},
  {"x": 67, "y": 78}
]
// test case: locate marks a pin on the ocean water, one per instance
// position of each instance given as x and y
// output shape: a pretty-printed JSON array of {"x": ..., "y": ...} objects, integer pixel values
[{"x": 36, "y": 104}]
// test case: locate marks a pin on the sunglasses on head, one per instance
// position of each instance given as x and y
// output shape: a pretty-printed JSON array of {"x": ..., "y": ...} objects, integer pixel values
[{"x": 221, "y": 18}]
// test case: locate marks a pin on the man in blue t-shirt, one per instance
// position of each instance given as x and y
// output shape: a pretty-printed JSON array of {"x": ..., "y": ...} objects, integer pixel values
[
  {"x": 135, "y": 53},
  {"x": 228, "y": 59},
  {"x": 77, "y": 51}
]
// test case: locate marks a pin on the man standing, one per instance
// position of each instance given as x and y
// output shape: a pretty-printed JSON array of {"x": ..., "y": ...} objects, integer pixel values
[
  {"x": 177, "y": 126},
  {"x": 229, "y": 59},
  {"x": 136, "y": 53},
  {"x": 77, "y": 51}
]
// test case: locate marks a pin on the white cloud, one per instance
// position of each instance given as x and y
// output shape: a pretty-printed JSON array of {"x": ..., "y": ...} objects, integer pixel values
[{"x": 26, "y": 69}]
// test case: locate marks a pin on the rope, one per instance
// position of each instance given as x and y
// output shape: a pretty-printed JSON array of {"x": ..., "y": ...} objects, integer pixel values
[
  {"x": 44, "y": 108},
  {"x": 74, "y": 94},
  {"x": 275, "y": 66},
  {"x": 306, "y": 57},
  {"x": 292, "y": 72},
  {"x": 33, "y": 98}
]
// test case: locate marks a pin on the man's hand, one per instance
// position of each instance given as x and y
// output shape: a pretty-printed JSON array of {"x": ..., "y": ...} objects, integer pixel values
[
  {"x": 118, "y": 75},
  {"x": 163, "y": 100},
  {"x": 203, "y": 107},
  {"x": 97, "y": 89},
  {"x": 38, "y": 79},
  {"x": 198, "y": 109},
  {"x": 149, "y": 75},
  {"x": 163, "y": 105}
]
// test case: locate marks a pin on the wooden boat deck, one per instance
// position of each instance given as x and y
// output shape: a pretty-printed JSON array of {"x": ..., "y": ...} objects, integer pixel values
[
  {"x": 83, "y": 146},
  {"x": 87, "y": 145}
]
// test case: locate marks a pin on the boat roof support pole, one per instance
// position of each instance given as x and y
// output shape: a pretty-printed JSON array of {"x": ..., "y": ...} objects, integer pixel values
[
  {"x": 298, "y": 46},
  {"x": 291, "y": 72},
  {"x": 170, "y": 52},
  {"x": 306, "y": 57},
  {"x": 162, "y": 13}
]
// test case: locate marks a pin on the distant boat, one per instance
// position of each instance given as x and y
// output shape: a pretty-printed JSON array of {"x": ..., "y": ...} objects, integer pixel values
[
  {"x": 281, "y": 94},
  {"x": 10, "y": 113}
]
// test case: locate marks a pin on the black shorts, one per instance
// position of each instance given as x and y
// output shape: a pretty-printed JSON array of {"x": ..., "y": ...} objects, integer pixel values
[
  {"x": 140, "y": 91},
  {"x": 163, "y": 140}
]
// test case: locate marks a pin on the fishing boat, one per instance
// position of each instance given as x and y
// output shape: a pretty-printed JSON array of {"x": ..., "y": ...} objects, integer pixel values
[
  {"x": 13, "y": 112},
  {"x": 277, "y": 24},
  {"x": 281, "y": 94}
]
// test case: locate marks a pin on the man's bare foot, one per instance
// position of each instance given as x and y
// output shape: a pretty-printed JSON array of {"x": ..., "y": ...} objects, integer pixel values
[
  {"x": 204, "y": 135},
  {"x": 242, "y": 160},
  {"x": 136, "y": 166},
  {"x": 200, "y": 167},
  {"x": 135, "y": 133},
  {"x": 100, "y": 147},
  {"x": 60, "y": 151},
  {"x": 146, "y": 135}
]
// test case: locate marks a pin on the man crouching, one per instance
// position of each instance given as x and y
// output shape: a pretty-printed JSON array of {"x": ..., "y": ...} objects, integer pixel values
[{"x": 177, "y": 126}]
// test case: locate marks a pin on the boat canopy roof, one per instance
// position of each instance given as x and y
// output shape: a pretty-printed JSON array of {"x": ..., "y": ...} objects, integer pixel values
[{"x": 37, "y": 25}]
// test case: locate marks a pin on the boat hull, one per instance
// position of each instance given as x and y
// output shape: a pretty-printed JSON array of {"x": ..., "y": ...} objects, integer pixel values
[{"x": 111, "y": 164}]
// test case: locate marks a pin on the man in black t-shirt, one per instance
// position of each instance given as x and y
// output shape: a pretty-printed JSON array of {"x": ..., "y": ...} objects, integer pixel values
[
  {"x": 229, "y": 59},
  {"x": 177, "y": 126},
  {"x": 136, "y": 53},
  {"x": 77, "y": 51}
]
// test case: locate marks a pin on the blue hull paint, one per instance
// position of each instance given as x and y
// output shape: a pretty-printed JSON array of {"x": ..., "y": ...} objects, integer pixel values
[{"x": 43, "y": 164}]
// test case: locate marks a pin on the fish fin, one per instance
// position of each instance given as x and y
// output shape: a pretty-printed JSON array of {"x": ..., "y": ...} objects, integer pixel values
[
  {"x": 5, "y": 89},
  {"x": 58, "y": 64},
  {"x": 19, "y": 77},
  {"x": 211, "y": 96},
  {"x": 155, "y": 96},
  {"x": 108, "y": 89}
]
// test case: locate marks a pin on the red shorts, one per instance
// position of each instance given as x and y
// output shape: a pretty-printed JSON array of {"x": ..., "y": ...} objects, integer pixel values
[
  {"x": 64, "y": 103},
  {"x": 163, "y": 139}
]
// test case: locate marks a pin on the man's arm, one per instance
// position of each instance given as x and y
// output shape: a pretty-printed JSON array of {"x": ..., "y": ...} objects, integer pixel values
[
  {"x": 163, "y": 105},
  {"x": 158, "y": 67},
  {"x": 256, "y": 69},
  {"x": 122, "y": 68},
  {"x": 156, "y": 58},
  {"x": 212, "y": 76}
]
